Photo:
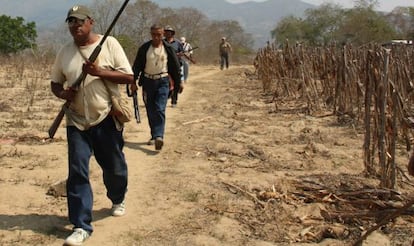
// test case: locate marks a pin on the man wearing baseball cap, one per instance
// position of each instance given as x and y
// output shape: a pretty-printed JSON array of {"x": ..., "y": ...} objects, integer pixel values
[
  {"x": 91, "y": 128},
  {"x": 169, "y": 33},
  {"x": 80, "y": 12}
]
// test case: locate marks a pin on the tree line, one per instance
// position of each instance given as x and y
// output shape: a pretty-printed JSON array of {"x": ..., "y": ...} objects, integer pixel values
[
  {"x": 327, "y": 24},
  {"x": 359, "y": 25},
  {"x": 133, "y": 28}
]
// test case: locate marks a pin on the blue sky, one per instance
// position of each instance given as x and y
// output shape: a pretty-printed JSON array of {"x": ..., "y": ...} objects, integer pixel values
[{"x": 384, "y": 5}]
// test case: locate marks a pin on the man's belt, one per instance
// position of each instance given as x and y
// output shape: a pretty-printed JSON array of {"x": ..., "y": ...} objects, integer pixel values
[{"x": 155, "y": 76}]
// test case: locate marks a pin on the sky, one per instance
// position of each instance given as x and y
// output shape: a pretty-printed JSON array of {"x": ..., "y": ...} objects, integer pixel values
[{"x": 384, "y": 5}]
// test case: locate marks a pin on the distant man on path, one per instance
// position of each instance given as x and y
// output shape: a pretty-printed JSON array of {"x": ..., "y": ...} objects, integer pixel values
[
  {"x": 186, "y": 58},
  {"x": 169, "y": 33},
  {"x": 224, "y": 51}
]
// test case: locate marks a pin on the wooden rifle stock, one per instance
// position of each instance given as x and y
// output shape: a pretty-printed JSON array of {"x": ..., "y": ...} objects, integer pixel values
[
  {"x": 189, "y": 57},
  {"x": 53, "y": 128},
  {"x": 92, "y": 58}
]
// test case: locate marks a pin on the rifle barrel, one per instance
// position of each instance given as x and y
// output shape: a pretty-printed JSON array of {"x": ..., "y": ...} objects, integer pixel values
[
  {"x": 136, "y": 110},
  {"x": 92, "y": 58},
  {"x": 55, "y": 125}
]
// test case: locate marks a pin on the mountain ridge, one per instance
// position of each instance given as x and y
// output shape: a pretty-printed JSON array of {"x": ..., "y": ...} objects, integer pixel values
[{"x": 257, "y": 18}]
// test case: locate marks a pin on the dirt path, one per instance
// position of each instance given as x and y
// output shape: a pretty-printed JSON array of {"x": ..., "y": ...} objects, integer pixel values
[
  {"x": 224, "y": 146},
  {"x": 154, "y": 199},
  {"x": 155, "y": 179}
]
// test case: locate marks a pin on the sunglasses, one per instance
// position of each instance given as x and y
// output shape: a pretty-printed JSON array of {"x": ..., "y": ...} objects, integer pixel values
[{"x": 75, "y": 21}]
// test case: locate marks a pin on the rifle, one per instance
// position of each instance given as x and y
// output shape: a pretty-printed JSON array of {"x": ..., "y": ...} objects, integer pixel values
[
  {"x": 53, "y": 128},
  {"x": 189, "y": 57},
  {"x": 135, "y": 101}
]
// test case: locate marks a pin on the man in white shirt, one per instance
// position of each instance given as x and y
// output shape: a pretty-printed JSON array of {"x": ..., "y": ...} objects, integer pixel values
[
  {"x": 90, "y": 127},
  {"x": 187, "y": 57}
]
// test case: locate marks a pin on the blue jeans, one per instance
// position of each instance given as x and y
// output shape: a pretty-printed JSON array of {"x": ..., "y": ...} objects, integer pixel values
[
  {"x": 105, "y": 142},
  {"x": 174, "y": 93},
  {"x": 185, "y": 68},
  {"x": 155, "y": 99}
]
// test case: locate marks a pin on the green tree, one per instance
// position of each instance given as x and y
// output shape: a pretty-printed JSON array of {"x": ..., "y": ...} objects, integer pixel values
[
  {"x": 317, "y": 28},
  {"x": 323, "y": 23},
  {"x": 16, "y": 35},
  {"x": 330, "y": 23},
  {"x": 411, "y": 31},
  {"x": 363, "y": 25},
  {"x": 290, "y": 29},
  {"x": 366, "y": 4},
  {"x": 402, "y": 19}
]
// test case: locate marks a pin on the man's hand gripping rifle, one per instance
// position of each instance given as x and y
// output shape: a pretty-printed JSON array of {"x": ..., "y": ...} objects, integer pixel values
[
  {"x": 81, "y": 78},
  {"x": 188, "y": 57}
]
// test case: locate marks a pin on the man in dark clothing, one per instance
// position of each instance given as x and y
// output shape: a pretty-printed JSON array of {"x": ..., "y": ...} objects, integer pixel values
[
  {"x": 155, "y": 64},
  {"x": 179, "y": 50}
]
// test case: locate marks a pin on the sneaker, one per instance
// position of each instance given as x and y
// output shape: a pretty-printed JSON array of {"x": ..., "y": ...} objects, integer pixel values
[
  {"x": 158, "y": 143},
  {"x": 151, "y": 142},
  {"x": 77, "y": 237},
  {"x": 173, "y": 105},
  {"x": 118, "y": 209}
]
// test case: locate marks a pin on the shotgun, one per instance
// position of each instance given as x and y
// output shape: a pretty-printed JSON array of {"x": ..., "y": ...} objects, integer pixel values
[
  {"x": 187, "y": 56},
  {"x": 135, "y": 101},
  {"x": 53, "y": 128}
]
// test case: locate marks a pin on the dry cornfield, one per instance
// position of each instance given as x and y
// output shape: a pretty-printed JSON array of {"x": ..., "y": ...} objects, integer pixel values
[
  {"x": 370, "y": 87},
  {"x": 233, "y": 171}
]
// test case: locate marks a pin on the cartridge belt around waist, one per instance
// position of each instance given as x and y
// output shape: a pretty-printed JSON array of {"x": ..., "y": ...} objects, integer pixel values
[{"x": 155, "y": 76}]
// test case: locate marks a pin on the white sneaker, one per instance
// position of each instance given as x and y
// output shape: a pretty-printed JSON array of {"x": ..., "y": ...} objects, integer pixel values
[
  {"x": 118, "y": 209},
  {"x": 77, "y": 237}
]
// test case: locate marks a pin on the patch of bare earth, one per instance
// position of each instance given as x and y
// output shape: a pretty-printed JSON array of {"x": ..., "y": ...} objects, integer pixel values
[{"x": 233, "y": 171}]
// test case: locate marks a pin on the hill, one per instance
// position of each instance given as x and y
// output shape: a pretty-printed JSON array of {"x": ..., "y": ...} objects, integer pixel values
[{"x": 257, "y": 18}]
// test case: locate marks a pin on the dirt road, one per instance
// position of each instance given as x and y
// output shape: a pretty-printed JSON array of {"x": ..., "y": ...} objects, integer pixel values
[{"x": 224, "y": 147}]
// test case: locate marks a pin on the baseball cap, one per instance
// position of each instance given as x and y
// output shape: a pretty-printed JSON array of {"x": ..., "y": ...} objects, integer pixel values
[
  {"x": 79, "y": 11},
  {"x": 169, "y": 28}
]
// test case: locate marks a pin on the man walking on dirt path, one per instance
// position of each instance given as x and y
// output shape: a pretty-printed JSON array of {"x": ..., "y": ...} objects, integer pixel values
[
  {"x": 186, "y": 58},
  {"x": 224, "y": 51},
  {"x": 155, "y": 64},
  {"x": 169, "y": 33},
  {"x": 91, "y": 129}
]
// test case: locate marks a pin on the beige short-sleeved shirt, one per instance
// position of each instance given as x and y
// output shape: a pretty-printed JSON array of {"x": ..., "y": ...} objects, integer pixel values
[
  {"x": 92, "y": 102},
  {"x": 156, "y": 60}
]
